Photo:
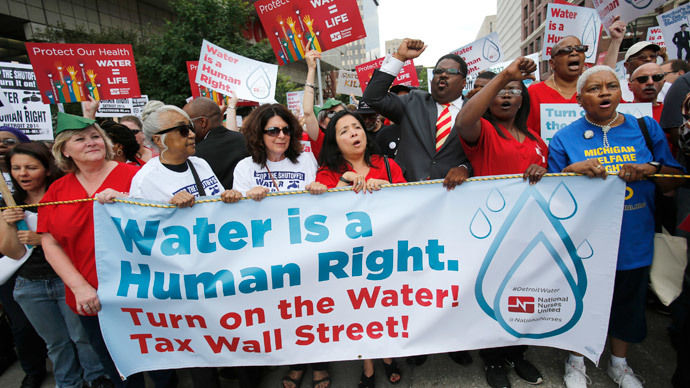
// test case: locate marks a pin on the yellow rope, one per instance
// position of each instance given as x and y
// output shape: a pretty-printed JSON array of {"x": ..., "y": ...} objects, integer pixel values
[{"x": 338, "y": 189}]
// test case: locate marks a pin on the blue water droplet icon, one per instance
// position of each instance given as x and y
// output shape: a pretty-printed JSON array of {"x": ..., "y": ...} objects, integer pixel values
[
  {"x": 495, "y": 201},
  {"x": 259, "y": 83},
  {"x": 491, "y": 51},
  {"x": 585, "y": 250},
  {"x": 480, "y": 227},
  {"x": 562, "y": 204},
  {"x": 589, "y": 35}
]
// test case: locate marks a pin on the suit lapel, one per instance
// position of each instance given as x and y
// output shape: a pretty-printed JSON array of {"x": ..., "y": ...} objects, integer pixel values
[{"x": 429, "y": 133}]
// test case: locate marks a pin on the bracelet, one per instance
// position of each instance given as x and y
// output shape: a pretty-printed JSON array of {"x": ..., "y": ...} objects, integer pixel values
[
  {"x": 309, "y": 85},
  {"x": 345, "y": 180},
  {"x": 231, "y": 107},
  {"x": 464, "y": 165}
]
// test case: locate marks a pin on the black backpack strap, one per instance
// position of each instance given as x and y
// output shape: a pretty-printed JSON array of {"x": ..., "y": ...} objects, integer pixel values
[
  {"x": 645, "y": 132},
  {"x": 197, "y": 181}
]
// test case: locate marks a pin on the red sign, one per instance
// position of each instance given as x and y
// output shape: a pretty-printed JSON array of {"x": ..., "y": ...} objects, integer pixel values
[
  {"x": 521, "y": 304},
  {"x": 203, "y": 91},
  {"x": 71, "y": 72},
  {"x": 292, "y": 24},
  {"x": 407, "y": 76}
]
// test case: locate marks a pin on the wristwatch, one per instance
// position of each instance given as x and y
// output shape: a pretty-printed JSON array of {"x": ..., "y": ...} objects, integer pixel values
[{"x": 657, "y": 165}]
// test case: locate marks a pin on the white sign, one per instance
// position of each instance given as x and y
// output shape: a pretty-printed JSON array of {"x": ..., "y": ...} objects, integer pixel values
[
  {"x": 676, "y": 37},
  {"x": 481, "y": 54},
  {"x": 499, "y": 67},
  {"x": 628, "y": 10},
  {"x": 294, "y": 102},
  {"x": 340, "y": 276},
  {"x": 563, "y": 20},
  {"x": 122, "y": 107},
  {"x": 348, "y": 83},
  {"x": 558, "y": 116},
  {"x": 224, "y": 71},
  {"x": 655, "y": 35},
  {"x": 26, "y": 111}
]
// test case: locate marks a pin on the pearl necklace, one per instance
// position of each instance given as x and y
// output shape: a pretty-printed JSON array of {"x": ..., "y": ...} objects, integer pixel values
[{"x": 604, "y": 128}]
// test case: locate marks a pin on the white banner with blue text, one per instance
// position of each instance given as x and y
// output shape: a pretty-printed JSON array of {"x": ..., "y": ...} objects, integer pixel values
[{"x": 406, "y": 270}]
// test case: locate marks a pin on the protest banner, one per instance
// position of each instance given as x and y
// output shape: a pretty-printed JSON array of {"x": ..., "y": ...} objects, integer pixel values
[
  {"x": 348, "y": 83},
  {"x": 122, "y": 107},
  {"x": 225, "y": 71},
  {"x": 340, "y": 276},
  {"x": 72, "y": 72},
  {"x": 294, "y": 102},
  {"x": 407, "y": 76},
  {"x": 499, "y": 67},
  {"x": 655, "y": 36},
  {"x": 481, "y": 54},
  {"x": 558, "y": 116},
  {"x": 628, "y": 10},
  {"x": 203, "y": 91},
  {"x": 564, "y": 20},
  {"x": 674, "y": 28},
  {"x": 297, "y": 26},
  {"x": 26, "y": 111}
]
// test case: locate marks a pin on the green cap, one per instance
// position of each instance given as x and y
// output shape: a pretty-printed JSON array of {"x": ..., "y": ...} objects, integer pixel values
[
  {"x": 67, "y": 121},
  {"x": 328, "y": 104}
]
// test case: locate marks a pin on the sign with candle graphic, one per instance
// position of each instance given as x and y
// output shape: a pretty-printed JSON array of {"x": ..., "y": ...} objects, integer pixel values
[
  {"x": 297, "y": 26},
  {"x": 72, "y": 72},
  {"x": 564, "y": 20},
  {"x": 481, "y": 54}
]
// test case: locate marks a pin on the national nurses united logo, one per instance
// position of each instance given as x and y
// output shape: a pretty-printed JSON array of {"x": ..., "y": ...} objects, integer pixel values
[{"x": 532, "y": 280}]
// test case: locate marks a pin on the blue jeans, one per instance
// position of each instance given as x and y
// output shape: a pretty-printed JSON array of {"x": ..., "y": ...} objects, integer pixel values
[{"x": 43, "y": 302}]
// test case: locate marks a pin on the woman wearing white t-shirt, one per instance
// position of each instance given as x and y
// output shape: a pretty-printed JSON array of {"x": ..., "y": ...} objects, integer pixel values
[
  {"x": 175, "y": 176},
  {"x": 277, "y": 162}
]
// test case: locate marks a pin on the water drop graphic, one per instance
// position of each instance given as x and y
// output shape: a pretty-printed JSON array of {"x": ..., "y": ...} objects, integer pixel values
[
  {"x": 589, "y": 35},
  {"x": 639, "y": 4},
  {"x": 258, "y": 83},
  {"x": 490, "y": 51},
  {"x": 480, "y": 227},
  {"x": 585, "y": 250},
  {"x": 562, "y": 204},
  {"x": 495, "y": 201}
]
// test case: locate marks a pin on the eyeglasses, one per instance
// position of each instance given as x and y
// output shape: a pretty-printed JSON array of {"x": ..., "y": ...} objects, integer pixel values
[
  {"x": 135, "y": 131},
  {"x": 197, "y": 118},
  {"x": 183, "y": 129},
  {"x": 275, "y": 131},
  {"x": 450, "y": 71},
  {"x": 511, "y": 92},
  {"x": 655, "y": 77},
  {"x": 582, "y": 48},
  {"x": 9, "y": 142}
]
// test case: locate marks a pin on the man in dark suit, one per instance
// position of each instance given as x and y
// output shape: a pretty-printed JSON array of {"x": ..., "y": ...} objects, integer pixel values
[
  {"x": 220, "y": 147},
  {"x": 682, "y": 41},
  {"x": 426, "y": 150}
]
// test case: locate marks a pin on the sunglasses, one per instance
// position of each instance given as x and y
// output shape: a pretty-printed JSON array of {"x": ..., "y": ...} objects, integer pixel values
[
  {"x": 510, "y": 92},
  {"x": 9, "y": 142},
  {"x": 275, "y": 131},
  {"x": 183, "y": 129},
  {"x": 135, "y": 131},
  {"x": 644, "y": 78},
  {"x": 451, "y": 71},
  {"x": 582, "y": 48}
]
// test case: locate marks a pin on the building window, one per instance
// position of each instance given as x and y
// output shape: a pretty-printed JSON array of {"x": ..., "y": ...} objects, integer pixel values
[
  {"x": 525, "y": 15},
  {"x": 538, "y": 40},
  {"x": 531, "y": 47},
  {"x": 539, "y": 18},
  {"x": 524, "y": 51},
  {"x": 526, "y": 33},
  {"x": 531, "y": 5},
  {"x": 531, "y": 25}
]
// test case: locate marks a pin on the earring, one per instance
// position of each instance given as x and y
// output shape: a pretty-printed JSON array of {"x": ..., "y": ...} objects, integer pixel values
[{"x": 119, "y": 153}]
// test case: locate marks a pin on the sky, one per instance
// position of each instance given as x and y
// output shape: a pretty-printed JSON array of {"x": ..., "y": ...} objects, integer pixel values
[{"x": 444, "y": 25}]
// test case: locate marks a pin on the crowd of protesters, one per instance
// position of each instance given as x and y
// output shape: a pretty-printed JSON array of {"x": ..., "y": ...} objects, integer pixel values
[{"x": 177, "y": 155}]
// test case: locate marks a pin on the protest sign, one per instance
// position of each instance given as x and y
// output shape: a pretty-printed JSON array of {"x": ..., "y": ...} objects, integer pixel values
[
  {"x": 564, "y": 20},
  {"x": 26, "y": 111},
  {"x": 655, "y": 36},
  {"x": 499, "y": 67},
  {"x": 340, "y": 276},
  {"x": 481, "y": 54},
  {"x": 297, "y": 26},
  {"x": 674, "y": 28},
  {"x": 628, "y": 10},
  {"x": 122, "y": 107},
  {"x": 558, "y": 116},
  {"x": 407, "y": 76},
  {"x": 348, "y": 83},
  {"x": 203, "y": 91},
  {"x": 294, "y": 102},
  {"x": 72, "y": 72},
  {"x": 224, "y": 72}
]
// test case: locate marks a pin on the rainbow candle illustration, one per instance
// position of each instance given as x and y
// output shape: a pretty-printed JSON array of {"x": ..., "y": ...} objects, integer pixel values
[
  {"x": 296, "y": 37},
  {"x": 291, "y": 49},
  {"x": 50, "y": 96},
  {"x": 83, "y": 76},
  {"x": 304, "y": 30},
  {"x": 52, "y": 86},
  {"x": 202, "y": 91},
  {"x": 68, "y": 82},
  {"x": 60, "y": 92},
  {"x": 282, "y": 49},
  {"x": 65, "y": 91},
  {"x": 215, "y": 95},
  {"x": 310, "y": 25},
  {"x": 76, "y": 85},
  {"x": 93, "y": 89},
  {"x": 285, "y": 44}
]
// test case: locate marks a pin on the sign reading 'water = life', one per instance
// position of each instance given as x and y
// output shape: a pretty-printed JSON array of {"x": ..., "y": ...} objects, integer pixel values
[
  {"x": 243, "y": 284},
  {"x": 564, "y": 20},
  {"x": 481, "y": 54},
  {"x": 26, "y": 111}
]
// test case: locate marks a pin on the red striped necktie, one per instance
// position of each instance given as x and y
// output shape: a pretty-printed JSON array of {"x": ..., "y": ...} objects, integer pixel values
[{"x": 443, "y": 127}]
